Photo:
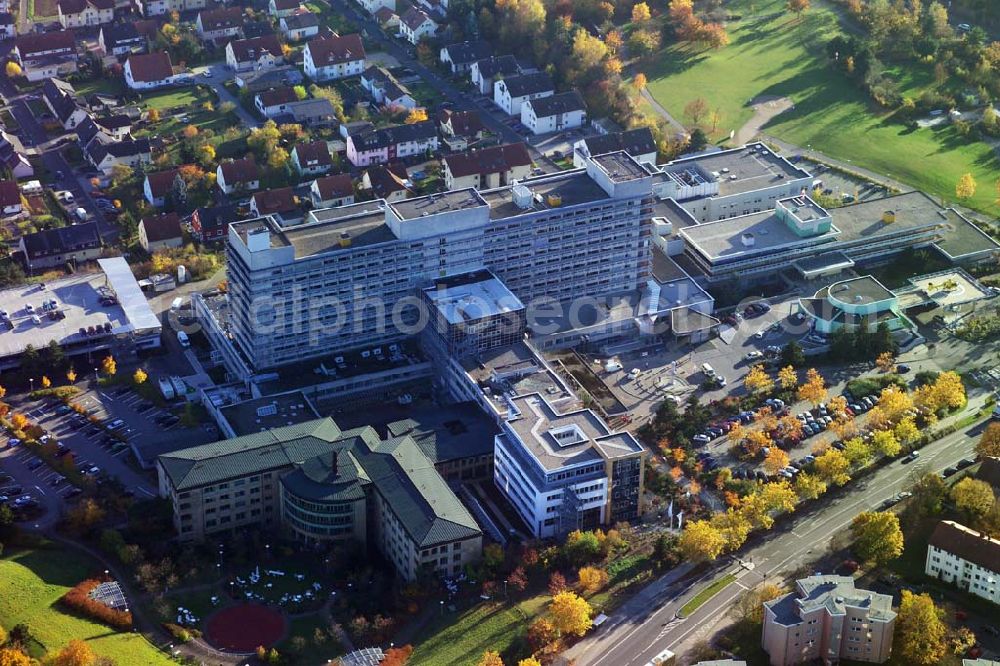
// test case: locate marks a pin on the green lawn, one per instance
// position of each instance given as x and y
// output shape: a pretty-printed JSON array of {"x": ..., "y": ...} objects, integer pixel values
[
  {"x": 706, "y": 593},
  {"x": 774, "y": 54},
  {"x": 461, "y": 639},
  {"x": 32, "y": 581},
  {"x": 314, "y": 653}
]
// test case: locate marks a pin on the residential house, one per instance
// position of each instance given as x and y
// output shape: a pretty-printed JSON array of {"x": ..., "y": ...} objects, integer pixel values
[
  {"x": 254, "y": 54},
  {"x": 355, "y": 127},
  {"x": 554, "y": 113},
  {"x": 827, "y": 619},
  {"x": 211, "y": 223},
  {"x": 388, "y": 181},
  {"x": 118, "y": 126},
  {"x": 13, "y": 160},
  {"x": 83, "y": 13},
  {"x": 485, "y": 72},
  {"x": 107, "y": 129},
  {"x": 387, "y": 18},
  {"x": 258, "y": 28},
  {"x": 158, "y": 186},
  {"x": 332, "y": 191},
  {"x": 259, "y": 81},
  {"x": 415, "y": 25},
  {"x": 10, "y": 198},
  {"x": 55, "y": 247},
  {"x": 336, "y": 57},
  {"x": 63, "y": 102},
  {"x": 121, "y": 39},
  {"x": 161, "y": 7},
  {"x": 639, "y": 143},
  {"x": 159, "y": 232},
  {"x": 280, "y": 202},
  {"x": 511, "y": 93},
  {"x": 461, "y": 56},
  {"x": 312, "y": 112},
  {"x": 963, "y": 557},
  {"x": 311, "y": 159},
  {"x": 239, "y": 175},
  {"x": 460, "y": 128},
  {"x": 487, "y": 168},
  {"x": 989, "y": 471},
  {"x": 145, "y": 71},
  {"x": 281, "y": 8},
  {"x": 389, "y": 144},
  {"x": 274, "y": 102},
  {"x": 220, "y": 24},
  {"x": 46, "y": 55},
  {"x": 8, "y": 27},
  {"x": 385, "y": 89},
  {"x": 301, "y": 25},
  {"x": 374, "y": 6},
  {"x": 133, "y": 153}
]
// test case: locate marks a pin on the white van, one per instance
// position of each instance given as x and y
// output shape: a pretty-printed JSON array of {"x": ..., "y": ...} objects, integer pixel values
[
  {"x": 177, "y": 303},
  {"x": 183, "y": 339},
  {"x": 612, "y": 366},
  {"x": 708, "y": 370}
]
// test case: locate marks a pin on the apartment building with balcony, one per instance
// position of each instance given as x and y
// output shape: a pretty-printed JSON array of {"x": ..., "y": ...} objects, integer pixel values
[
  {"x": 968, "y": 559},
  {"x": 827, "y": 619},
  {"x": 566, "y": 471}
]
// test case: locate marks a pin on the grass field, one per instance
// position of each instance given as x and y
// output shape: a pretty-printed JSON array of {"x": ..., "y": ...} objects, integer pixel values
[
  {"x": 461, "y": 640},
  {"x": 32, "y": 581},
  {"x": 774, "y": 54}
]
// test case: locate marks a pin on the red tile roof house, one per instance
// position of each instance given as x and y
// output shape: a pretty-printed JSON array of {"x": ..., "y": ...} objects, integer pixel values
[
  {"x": 214, "y": 24},
  {"x": 280, "y": 202},
  {"x": 259, "y": 53},
  {"x": 159, "y": 232},
  {"x": 282, "y": 8},
  {"x": 387, "y": 182},
  {"x": 326, "y": 58},
  {"x": 274, "y": 102},
  {"x": 10, "y": 198},
  {"x": 82, "y": 13},
  {"x": 212, "y": 223},
  {"x": 145, "y": 71},
  {"x": 311, "y": 159},
  {"x": 238, "y": 176},
  {"x": 158, "y": 186},
  {"x": 332, "y": 191},
  {"x": 46, "y": 55}
]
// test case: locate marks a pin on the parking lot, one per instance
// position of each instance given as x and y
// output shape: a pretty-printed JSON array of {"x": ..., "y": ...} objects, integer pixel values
[{"x": 131, "y": 426}]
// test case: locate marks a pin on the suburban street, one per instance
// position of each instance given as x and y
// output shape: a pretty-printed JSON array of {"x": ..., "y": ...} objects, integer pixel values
[{"x": 647, "y": 624}]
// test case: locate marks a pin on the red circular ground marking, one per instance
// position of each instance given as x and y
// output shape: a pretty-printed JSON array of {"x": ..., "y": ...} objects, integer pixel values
[{"x": 242, "y": 628}]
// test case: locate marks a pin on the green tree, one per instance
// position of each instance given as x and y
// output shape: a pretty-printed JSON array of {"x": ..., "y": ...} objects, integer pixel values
[
  {"x": 792, "y": 354},
  {"x": 877, "y": 536}
]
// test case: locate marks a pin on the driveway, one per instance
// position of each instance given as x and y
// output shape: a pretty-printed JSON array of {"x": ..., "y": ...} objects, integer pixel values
[{"x": 220, "y": 75}]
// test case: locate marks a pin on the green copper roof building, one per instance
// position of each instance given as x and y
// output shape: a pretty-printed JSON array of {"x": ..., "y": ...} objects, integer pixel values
[{"x": 322, "y": 483}]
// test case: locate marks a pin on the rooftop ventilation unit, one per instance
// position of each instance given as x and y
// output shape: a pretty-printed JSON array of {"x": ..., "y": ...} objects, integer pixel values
[
  {"x": 748, "y": 239},
  {"x": 522, "y": 196}
]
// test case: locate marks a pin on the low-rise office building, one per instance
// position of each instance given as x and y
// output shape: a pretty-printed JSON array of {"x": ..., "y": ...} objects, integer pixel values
[
  {"x": 852, "y": 304},
  {"x": 968, "y": 559},
  {"x": 828, "y": 619},
  {"x": 322, "y": 483}
]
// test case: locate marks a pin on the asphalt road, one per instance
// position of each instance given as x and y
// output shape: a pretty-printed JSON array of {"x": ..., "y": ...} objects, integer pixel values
[{"x": 644, "y": 626}]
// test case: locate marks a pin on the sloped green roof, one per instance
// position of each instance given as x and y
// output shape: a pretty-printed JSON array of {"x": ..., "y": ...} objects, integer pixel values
[
  {"x": 331, "y": 464},
  {"x": 240, "y": 456}
]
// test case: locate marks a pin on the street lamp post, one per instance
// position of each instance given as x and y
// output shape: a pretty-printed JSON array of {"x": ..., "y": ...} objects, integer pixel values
[
  {"x": 97, "y": 377},
  {"x": 31, "y": 383},
  {"x": 442, "y": 607}
]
